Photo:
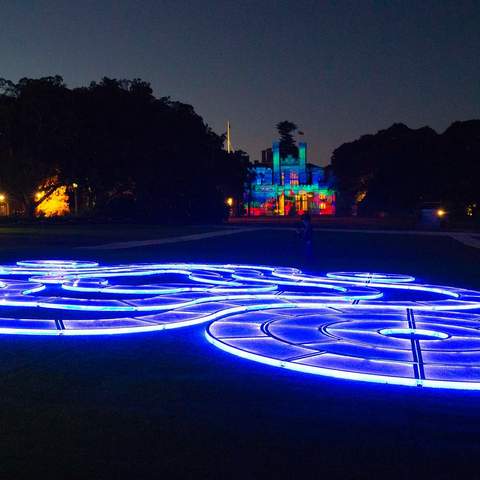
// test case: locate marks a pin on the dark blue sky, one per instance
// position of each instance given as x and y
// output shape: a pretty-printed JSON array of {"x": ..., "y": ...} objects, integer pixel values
[{"x": 338, "y": 69}]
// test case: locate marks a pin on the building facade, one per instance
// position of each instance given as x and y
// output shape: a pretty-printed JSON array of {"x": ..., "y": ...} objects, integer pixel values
[{"x": 288, "y": 186}]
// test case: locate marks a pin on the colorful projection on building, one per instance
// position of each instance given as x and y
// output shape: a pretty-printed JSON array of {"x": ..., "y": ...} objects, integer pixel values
[
  {"x": 293, "y": 199},
  {"x": 289, "y": 186},
  {"x": 384, "y": 328}
]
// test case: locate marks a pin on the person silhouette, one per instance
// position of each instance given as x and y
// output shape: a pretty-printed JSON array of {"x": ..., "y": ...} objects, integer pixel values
[{"x": 306, "y": 235}]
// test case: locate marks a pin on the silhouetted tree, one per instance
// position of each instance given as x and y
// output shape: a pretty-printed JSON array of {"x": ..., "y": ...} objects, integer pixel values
[
  {"x": 288, "y": 145},
  {"x": 461, "y": 146},
  {"x": 36, "y": 126},
  {"x": 127, "y": 150},
  {"x": 398, "y": 169}
]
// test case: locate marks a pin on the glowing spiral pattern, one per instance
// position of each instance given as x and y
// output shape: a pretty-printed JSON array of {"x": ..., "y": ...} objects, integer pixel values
[
  {"x": 404, "y": 348},
  {"x": 376, "y": 327},
  {"x": 55, "y": 297}
]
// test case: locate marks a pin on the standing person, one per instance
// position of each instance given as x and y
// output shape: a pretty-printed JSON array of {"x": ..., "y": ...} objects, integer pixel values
[{"x": 306, "y": 235}]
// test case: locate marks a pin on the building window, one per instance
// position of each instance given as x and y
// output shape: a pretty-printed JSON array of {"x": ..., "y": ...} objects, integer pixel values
[{"x": 293, "y": 178}]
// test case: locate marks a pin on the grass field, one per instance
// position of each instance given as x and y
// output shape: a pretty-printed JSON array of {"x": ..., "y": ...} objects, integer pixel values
[
  {"x": 170, "y": 405},
  {"x": 49, "y": 238}
]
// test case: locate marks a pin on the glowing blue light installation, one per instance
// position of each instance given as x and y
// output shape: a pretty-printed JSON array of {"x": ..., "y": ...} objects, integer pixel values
[
  {"x": 427, "y": 349},
  {"x": 375, "y": 327},
  {"x": 375, "y": 277}
]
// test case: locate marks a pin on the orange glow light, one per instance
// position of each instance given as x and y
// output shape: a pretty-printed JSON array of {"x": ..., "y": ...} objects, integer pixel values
[{"x": 55, "y": 205}]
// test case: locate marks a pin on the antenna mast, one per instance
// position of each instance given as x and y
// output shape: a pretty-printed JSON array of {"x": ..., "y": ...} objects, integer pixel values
[{"x": 229, "y": 139}]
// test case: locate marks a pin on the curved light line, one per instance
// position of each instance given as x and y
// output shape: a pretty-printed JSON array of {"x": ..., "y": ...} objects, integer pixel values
[
  {"x": 343, "y": 374},
  {"x": 413, "y": 331}
]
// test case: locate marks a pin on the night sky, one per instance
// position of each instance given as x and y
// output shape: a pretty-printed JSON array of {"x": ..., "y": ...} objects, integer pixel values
[{"x": 339, "y": 69}]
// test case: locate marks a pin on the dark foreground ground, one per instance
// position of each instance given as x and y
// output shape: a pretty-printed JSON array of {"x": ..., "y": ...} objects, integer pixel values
[{"x": 170, "y": 405}]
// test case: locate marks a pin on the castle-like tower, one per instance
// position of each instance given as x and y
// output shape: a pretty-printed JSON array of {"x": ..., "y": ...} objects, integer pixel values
[
  {"x": 289, "y": 186},
  {"x": 290, "y": 169}
]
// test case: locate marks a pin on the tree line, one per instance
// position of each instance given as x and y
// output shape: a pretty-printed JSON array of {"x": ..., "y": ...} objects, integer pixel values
[
  {"x": 399, "y": 169},
  {"x": 122, "y": 152},
  {"x": 126, "y": 152}
]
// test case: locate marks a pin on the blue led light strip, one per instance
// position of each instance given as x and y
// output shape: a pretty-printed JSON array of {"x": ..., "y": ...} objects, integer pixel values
[{"x": 419, "y": 338}]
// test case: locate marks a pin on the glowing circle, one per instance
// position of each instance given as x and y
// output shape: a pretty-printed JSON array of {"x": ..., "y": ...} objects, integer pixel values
[
  {"x": 424, "y": 349},
  {"x": 417, "y": 333},
  {"x": 67, "y": 297},
  {"x": 57, "y": 264},
  {"x": 376, "y": 327},
  {"x": 367, "y": 276}
]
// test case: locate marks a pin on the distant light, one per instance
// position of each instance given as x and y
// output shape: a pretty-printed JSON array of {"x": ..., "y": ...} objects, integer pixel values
[
  {"x": 2, "y": 197},
  {"x": 229, "y": 201},
  {"x": 441, "y": 213},
  {"x": 75, "y": 185},
  {"x": 38, "y": 196}
]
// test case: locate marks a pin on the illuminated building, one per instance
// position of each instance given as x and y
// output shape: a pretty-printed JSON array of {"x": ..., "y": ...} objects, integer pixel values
[{"x": 288, "y": 186}]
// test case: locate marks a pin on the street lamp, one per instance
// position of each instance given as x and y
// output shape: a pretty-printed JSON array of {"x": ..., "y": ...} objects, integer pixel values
[
  {"x": 229, "y": 201},
  {"x": 75, "y": 198}
]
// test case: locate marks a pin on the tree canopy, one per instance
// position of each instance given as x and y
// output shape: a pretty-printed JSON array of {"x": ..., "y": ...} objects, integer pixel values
[
  {"x": 288, "y": 145},
  {"x": 129, "y": 152},
  {"x": 398, "y": 169}
]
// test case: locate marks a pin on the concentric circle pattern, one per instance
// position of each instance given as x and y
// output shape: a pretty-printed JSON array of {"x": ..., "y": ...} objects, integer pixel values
[
  {"x": 376, "y": 327},
  {"x": 405, "y": 348},
  {"x": 52, "y": 297}
]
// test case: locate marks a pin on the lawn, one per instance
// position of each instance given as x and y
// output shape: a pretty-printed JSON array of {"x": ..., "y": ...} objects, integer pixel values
[
  {"x": 170, "y": 405},
  {"x": 48, "y": 238}
]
